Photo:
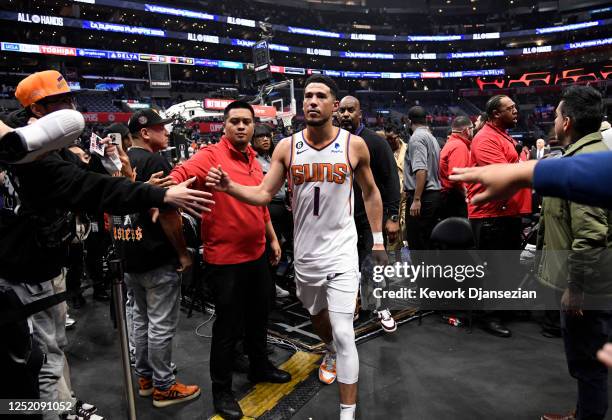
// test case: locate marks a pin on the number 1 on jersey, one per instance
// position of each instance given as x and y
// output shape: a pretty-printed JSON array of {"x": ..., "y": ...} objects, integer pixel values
[{"x": 317, "y": 193}]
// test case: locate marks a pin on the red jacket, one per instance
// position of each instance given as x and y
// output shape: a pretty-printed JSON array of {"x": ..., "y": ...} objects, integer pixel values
[
  {"x": 454, "y": 154},
  {"x": 233, "y": 232},
  {"x": 492, "y": 145}
]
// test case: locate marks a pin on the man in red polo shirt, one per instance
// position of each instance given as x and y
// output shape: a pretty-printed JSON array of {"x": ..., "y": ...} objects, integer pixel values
[
  {"x": 497, "y": 224},
  {"x": 234, "y": 235},
  {"x": 455, "y": 154}
]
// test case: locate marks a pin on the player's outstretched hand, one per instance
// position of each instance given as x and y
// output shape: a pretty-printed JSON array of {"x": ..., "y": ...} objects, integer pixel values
[
  {"x": 218, "y": 179},
  {"x": 500, "y": 180},
  {"x": 194, "y": 202},
  {"x": 160, "y": 180}
]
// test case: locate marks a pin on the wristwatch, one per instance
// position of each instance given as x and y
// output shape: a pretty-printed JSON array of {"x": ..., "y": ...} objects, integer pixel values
[{"x": 394, "y": 218}]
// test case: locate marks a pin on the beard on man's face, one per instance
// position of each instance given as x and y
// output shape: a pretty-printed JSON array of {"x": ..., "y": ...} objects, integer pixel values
[
  {"x": 347, "y": 125},
  {"x": 316, "y": 122}
]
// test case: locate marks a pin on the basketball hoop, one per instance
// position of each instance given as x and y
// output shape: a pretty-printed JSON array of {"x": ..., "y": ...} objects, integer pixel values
[
  {"x": 286, "y": 118},
  {"x": 279, "y": 95}
]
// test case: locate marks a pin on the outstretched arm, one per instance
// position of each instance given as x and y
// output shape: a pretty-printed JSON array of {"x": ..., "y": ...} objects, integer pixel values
[
  {"x": 499, "y": 180},
  {"x": 576, "y": 178},
  {"x": 371, "y": 195},
  {"x": 261, "y": 194}
]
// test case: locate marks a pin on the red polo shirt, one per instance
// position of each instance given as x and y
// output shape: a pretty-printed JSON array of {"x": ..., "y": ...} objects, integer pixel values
[
  {"x": 492, "y": 145},
  {"x": 454, "y": 154},
  {"x": 233, "y": 232}
]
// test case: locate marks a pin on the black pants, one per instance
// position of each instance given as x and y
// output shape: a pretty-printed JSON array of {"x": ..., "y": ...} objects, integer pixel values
[
  {"x": 241, "y": 297},
  {"x": 281, "y": 220},
  {"x": 365, "y": 241},
  {"x": 96, "y": 245},
  {"x": 453, "y": 204},
  {"x": 418, "y": 229},
  {"x": 75, "y": 269},
  {"x": 498, "y": 233},
  {"x": 583, "y": 336}
]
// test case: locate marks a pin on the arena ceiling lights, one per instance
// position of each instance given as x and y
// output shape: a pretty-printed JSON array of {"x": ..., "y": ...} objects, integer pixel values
[
  {"x": 203, "y": 38},
  {"x": 204, "y": 62},
  {"x": 192, "y": 14}
]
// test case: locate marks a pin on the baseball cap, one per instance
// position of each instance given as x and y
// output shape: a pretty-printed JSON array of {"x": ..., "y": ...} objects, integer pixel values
[
  {"x": 117, "y": 128},
  {"x": 146, "y": 118},
  {"x": 41, "y": 85}
]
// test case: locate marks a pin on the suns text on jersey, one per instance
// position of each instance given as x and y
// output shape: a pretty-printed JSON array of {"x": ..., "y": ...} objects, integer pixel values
[{"x": 319, "y": 172}]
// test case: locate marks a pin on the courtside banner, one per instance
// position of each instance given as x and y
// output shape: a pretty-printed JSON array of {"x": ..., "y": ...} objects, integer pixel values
[
  {"x": 106, "y": 117},
  {"x": 488, "y": 280}
]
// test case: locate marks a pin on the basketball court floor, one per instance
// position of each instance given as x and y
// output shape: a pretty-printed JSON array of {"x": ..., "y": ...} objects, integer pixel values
[{"x": 428, "y": 370}]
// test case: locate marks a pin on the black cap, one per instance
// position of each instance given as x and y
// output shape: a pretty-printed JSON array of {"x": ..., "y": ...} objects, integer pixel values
[
  {"x": 117, "y": 128},
  {"x": 146, "y": 118}
]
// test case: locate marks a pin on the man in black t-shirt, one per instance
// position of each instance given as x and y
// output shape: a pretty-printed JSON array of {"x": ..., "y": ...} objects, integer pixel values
[{"x": 155, "y": 253}]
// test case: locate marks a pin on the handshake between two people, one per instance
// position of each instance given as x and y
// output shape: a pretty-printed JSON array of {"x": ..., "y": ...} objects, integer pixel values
[{"x": 220, "y": 180}]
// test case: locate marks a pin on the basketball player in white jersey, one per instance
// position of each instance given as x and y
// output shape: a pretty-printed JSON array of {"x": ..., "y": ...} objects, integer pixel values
[{"x": 321, "y": 162}]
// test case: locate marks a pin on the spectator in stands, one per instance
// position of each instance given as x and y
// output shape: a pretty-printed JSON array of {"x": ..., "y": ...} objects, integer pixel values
[
  {"x": 154, "y": 256},
  {"x": 391, "y": 133},
  {"x": 455, "y": 154},
  {"x": 540, "y": 150},
  {"x": 239, "y": 276},
  {"x": 584, "y": 271},
  {"x": 497, "y": 225},
  {"x": 279, "y": 213},
  {"x": 421, "y": 181},
  {"x": 382, "y": 164}
]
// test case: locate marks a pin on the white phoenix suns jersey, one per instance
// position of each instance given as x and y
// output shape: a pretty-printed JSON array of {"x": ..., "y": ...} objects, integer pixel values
[{"x": 325, "y": 237}]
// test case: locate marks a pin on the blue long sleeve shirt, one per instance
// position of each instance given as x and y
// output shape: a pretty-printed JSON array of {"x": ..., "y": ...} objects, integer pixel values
[{"x": 583, "y": 179}]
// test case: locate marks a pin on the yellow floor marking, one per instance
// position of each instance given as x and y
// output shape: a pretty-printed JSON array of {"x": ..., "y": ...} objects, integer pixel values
[{"x": 264, "y": 396}]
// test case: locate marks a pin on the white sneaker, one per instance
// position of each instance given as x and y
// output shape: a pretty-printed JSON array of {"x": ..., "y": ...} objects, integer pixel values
[
  {"x": 386, "y": 321},
  {"x": 281, "y": 293},
  {"x": 54, "y": 131},
  {"x": 327, "y": 369},
  {"x": 70, "y": 321}
]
